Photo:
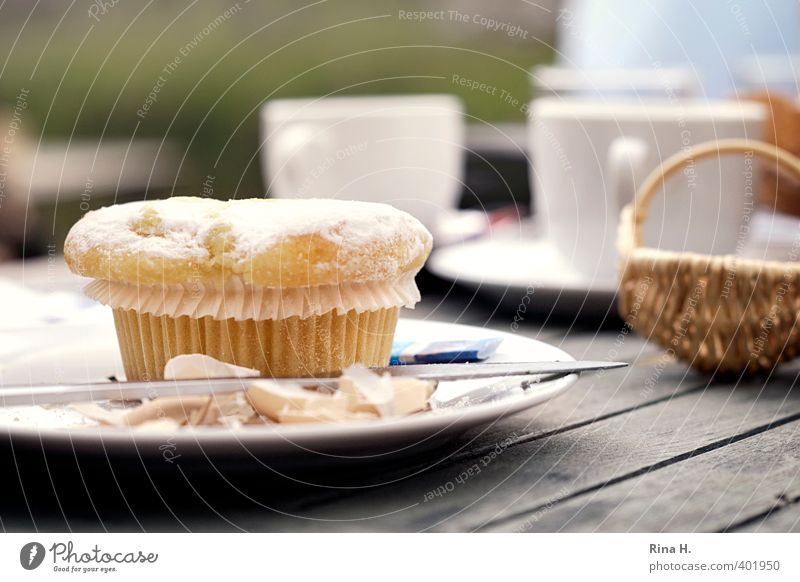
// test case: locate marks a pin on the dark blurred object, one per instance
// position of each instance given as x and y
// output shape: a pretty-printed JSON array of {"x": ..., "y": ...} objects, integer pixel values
[
  {"x": 780, "y": 192},
  {"x": 497, "y": 168},
  {"x": 64, "y": 180},
  {"x": 14, "y": 213},
  {"x": 496, "y": 189}
]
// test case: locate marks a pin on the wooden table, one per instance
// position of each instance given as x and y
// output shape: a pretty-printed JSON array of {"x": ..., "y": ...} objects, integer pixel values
[{"x": 652, "y": 448}]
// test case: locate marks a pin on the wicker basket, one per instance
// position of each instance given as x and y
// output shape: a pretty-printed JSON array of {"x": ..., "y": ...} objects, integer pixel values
[{"x": 718, "y": 313}]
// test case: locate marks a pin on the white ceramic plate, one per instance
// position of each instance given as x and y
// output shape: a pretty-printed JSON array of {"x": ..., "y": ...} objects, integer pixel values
[
  {"x": 95, "y": 354},
  {"x": 506, "y": 268}
]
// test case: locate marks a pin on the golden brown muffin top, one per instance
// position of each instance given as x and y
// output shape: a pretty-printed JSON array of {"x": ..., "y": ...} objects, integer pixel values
[{"x": 270, "y": 242}]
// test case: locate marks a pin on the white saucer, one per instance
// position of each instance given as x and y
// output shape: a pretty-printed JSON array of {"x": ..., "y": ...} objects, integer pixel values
[
  {"x": 506, "y": 269},
  {"x": 53, "y": 429}
]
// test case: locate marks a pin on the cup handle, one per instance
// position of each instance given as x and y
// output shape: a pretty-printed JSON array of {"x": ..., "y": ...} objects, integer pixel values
[
  {"x": 625, "y": 164},
  {"x": 296, "y": 149}
]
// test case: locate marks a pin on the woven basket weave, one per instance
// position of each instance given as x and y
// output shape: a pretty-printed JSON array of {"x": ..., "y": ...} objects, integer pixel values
[{"x": 718, "y": 313}]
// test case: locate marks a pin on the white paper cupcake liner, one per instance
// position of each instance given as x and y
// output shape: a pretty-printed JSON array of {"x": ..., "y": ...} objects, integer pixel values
[
  {"x": 241, "y": 301},
  {"x": 319, "y": 346}
]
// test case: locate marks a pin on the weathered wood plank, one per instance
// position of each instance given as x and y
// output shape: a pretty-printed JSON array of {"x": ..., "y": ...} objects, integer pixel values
[
  {"x": 518, "y": 480},
  {"x": 605, "y": 428},
  {"x": 710, "y": 491},
  {"x": 651, "y": 378},
  {"x": 263, "y": 491},
  {"x": 782, "y": 517},
  {"x": 593, "y": 398}
]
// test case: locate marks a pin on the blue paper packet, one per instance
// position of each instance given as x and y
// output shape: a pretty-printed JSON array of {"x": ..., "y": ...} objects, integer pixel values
[{"x": 443, "y": 352}]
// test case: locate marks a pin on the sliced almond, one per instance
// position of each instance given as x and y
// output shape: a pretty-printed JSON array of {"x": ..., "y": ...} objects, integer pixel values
[
  {"x": 178, "y": 409},
  {"x": 200, "y": 366},
  {"x": 100, "y": 414},
  {"x": 273, "y": 399},
  {"x": 161, "y": 424},
  {"x": 411, "y": 395},
  {"x": 299, "y": 416},
  {"x": 374, "y": 393}
]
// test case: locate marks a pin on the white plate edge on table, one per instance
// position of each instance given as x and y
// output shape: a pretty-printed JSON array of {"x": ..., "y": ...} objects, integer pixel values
[
  {"x": 335, "y": 439},
  {"x": 509, "y": 265}
]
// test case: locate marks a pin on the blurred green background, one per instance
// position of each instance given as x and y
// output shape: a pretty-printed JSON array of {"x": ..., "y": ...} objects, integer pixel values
[
  {"x": 88, "y": 77},
  {"x": 89, "y": 67}
]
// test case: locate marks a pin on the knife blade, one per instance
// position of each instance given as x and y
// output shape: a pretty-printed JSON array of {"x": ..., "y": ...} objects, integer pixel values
[{"x": 66, "y": 393}]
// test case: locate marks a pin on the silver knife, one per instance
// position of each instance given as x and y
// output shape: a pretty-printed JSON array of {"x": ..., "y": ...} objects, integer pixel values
[{"x": 67, "y": 393}]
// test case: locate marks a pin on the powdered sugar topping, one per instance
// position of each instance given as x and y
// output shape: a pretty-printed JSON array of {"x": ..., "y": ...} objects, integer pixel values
[{"x": 187, "y": 228}]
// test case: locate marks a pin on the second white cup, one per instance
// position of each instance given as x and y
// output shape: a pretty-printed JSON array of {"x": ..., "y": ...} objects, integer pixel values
[
  {"x": 589, "y": 156},
  {"x": 407, "y": 151}
]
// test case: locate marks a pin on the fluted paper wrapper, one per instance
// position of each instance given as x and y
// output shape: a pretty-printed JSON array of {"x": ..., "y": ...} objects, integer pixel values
[
  {"x": 319, "y": 345},
  {"x": 234, "y": 299},
  {"x": 308, "y": 331}
]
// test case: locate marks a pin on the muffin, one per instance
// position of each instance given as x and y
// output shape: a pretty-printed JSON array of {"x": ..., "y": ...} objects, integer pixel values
[{"x": 288, "y": 287}]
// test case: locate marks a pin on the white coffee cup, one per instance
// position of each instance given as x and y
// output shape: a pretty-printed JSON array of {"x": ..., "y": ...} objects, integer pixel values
[
  {"x": 407, "y": 151},
  {"x": 588, "y": 158}
]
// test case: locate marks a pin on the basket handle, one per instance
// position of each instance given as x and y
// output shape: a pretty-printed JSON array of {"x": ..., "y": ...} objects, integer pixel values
[{"x": 631, "y": 223}]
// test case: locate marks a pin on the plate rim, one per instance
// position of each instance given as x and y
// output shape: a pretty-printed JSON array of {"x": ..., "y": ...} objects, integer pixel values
[
  {"x": 598, "y": 286},
  {"x": 214, "y": 438}
]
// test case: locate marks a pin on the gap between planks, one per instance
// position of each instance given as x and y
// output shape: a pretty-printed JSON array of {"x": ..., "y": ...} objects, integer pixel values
[
  {"x": 460, "y": 457},
  {"x": 520, "y": 515}
]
